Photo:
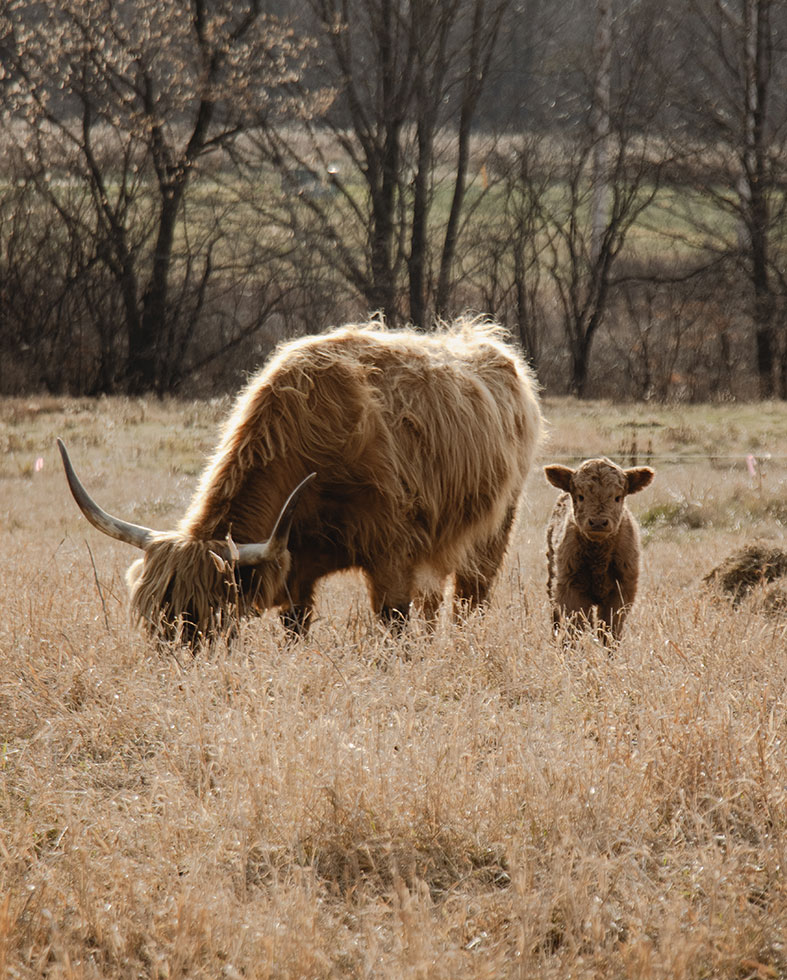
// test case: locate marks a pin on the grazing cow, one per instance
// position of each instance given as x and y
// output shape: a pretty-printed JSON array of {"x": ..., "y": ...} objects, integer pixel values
[
  {"x": 593, "y": 549},
  {"x": 418, "y": 447}
]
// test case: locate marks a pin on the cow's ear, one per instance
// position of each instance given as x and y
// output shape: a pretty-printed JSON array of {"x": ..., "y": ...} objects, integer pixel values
[
  {"x": 559, "y": 476},
  {"x": 638, "y": 477}
]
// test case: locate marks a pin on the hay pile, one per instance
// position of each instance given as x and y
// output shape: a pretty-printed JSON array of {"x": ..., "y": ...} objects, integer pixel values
[{"x": 746, "y": 569}]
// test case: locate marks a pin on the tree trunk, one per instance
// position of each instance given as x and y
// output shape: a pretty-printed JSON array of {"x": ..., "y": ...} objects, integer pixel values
[
  {"x": 599, "y": 206},
  {"x": 383, "y": 292},
  {"x": 755, "y": 203},
  {"x": 145, "y": 353},
  {"x": 418, "y": 239},
  {"x": 580, "y": 360},
  {"x": 483, "y": 34},
  {"x": 148, "y": 360}
]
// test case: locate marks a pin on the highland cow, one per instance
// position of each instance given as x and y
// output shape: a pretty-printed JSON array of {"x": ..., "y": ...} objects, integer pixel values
[
  {"x": 408, "y": 454},
  {"x": 593, "y": 547}
]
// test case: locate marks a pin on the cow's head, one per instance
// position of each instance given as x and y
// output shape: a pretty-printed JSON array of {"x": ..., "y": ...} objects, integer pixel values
[
  {"x": 598, "y": 490},
  {"x": 192, "y": 590}
]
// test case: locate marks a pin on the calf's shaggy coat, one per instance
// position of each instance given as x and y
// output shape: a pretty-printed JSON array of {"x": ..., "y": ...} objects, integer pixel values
[
  {"x": 593, "y": 547},
  {"x": 419, "y": 446}
]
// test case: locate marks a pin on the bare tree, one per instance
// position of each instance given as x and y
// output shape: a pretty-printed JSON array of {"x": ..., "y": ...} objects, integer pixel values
[
  {"x": 406, "y": 79},
  {"x": 678, "y": 337},
  {"x": 582, "y": 205},
  {"x": 600, "y": 125},
  {"x": 505, "y": 260},
  {"x": 582, "y": 277},
  {"x": 117, "y": 106},
  {"x": 735, "y": 120}
]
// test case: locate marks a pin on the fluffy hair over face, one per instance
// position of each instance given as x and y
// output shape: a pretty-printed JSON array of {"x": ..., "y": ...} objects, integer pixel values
[{"x": 183, "y": 589}]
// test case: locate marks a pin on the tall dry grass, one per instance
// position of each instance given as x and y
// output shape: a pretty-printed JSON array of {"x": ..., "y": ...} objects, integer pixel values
[{"x": 483, "y": 803}]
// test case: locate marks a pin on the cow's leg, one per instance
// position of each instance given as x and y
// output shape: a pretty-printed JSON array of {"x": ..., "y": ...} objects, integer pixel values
[
  {"x": 572, "y": 602},
  {"x": 473, "y": 583},
  {"x": 620, "y": 602},
  {"x": 296, "y": 613},
  {"x": 617, "y": 617},
  {"x": 570, "y": 623},
  {"x": 427, "y": 605},
  {"x": 394, "y": 617},
  {"x": 577, "y": 613},
  {"x": 391, "y": 594},
  {"x": 296, "y": 619}
]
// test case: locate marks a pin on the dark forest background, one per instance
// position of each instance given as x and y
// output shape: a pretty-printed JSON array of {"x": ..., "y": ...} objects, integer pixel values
[{"x": 184, "y": 183}]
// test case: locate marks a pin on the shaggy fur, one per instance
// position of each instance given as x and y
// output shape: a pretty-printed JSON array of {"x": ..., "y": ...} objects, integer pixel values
[
  {"x": 185, "y": 589},
  {"x": 421, "y": 445},
  {"x": 593, "y": 548}
]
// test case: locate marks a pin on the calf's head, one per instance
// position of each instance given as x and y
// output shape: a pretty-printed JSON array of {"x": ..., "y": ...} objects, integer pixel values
[
  {"x": 189, "y": 589},
  {"x": 598, "y": 490}
]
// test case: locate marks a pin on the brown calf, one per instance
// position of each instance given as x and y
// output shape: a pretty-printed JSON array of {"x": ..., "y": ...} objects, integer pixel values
[{"x": 593, "y": 547}]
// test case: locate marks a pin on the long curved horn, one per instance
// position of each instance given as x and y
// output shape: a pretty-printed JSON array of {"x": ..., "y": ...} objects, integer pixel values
[
  {"x": 140, "y": 537},
  {"x": 254, "y": 554}
]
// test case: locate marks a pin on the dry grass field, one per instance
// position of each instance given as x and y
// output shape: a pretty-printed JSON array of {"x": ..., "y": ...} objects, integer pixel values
[{"x": 482, "y": 803}]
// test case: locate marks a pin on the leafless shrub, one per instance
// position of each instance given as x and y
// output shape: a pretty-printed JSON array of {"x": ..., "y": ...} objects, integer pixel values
[{"x": 675, "y": 335}]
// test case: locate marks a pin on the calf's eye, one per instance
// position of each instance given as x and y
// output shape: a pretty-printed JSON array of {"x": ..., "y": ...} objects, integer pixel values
[{"x": 618, "y": 499}]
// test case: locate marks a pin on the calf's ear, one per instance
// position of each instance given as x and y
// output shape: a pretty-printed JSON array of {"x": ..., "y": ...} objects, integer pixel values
[
  {"x": 638, "y": 477},
  {"x": 559, "y": 476}
]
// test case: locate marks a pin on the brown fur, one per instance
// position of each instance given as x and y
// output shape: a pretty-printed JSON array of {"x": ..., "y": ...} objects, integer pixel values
[
  {"x": 593, "y": 547},
  {"x": 421, "y": 445},
  {"x": 184, "y": 589}
]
